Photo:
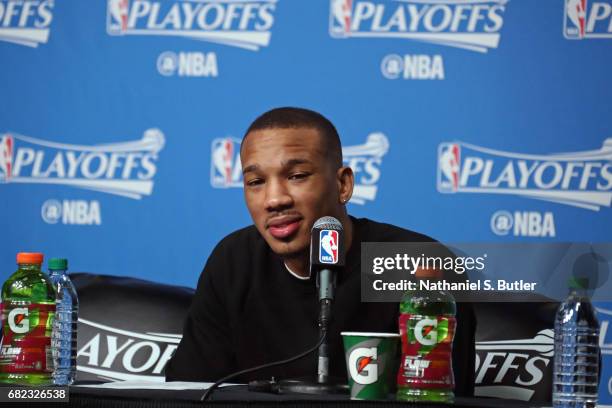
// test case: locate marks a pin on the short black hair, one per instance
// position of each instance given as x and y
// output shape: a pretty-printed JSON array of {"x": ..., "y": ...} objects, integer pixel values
[{"x": 294, "y": 118}]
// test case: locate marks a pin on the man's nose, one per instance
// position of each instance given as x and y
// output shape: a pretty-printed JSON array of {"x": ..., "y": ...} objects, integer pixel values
[{"x": 277, "y": 196}]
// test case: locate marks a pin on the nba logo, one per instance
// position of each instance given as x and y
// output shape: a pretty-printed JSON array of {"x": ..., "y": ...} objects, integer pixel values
[
  {"x": 328, "y": 246},
  {"x": 340, "y": 18},
  {"x": 225, "y": 167},
  {"x": 574, "y": 19},
  {"x": 449, "y": 155},
  {"x": 6, "y": 157},
  {"x": 117, "y": 16}
]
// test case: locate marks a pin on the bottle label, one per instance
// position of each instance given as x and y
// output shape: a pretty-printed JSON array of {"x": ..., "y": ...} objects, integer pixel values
[
  {"x": 26, "y": 337},
  {"x": 426, "y": 351}
]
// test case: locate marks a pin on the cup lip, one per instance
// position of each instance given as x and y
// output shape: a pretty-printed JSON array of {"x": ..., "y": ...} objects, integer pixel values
[{"x": 370, "y": 334}]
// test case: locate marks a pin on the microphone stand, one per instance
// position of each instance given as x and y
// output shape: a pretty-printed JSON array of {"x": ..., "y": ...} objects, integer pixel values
[{"x": 326, "y": 282}]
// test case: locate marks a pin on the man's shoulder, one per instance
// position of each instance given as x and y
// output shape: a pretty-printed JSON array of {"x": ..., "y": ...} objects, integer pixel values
[
  {"x": 374, "y": 231},
  {"x": 236, "y": 252}
]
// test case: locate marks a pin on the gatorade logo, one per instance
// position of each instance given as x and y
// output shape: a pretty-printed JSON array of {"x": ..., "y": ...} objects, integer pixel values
[
  {"x": 425, "y": 332},
  {"x": 362, "y": 365},
  {"x": 18, "y": 320}
]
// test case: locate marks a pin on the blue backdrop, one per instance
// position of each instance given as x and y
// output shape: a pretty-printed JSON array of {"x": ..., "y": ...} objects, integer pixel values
[{"x": 467, "y": 120}]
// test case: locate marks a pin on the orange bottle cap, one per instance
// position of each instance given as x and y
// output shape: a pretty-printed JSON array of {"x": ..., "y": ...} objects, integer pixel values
[{"x": 29, "y": 258}]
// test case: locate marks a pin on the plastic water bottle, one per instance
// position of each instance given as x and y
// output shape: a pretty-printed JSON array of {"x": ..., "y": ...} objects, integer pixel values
[
  {"x": 64, "y": 337},
  {"x": 576, "y": 367},
  {"x": 427, "y": 328}
]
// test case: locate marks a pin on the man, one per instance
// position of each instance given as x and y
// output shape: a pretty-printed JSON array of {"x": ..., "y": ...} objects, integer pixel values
[{"x": 256, "y": 301}]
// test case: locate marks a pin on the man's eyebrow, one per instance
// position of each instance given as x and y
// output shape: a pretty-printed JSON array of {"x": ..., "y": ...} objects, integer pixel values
[
  {"x": 293, "y": 162},
  {"x": 286, "y": 164},
  {"x": 252, "y": 167}
]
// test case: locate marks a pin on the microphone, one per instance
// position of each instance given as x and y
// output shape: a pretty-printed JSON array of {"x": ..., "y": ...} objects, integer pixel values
[{"x": 326, "y": 257}]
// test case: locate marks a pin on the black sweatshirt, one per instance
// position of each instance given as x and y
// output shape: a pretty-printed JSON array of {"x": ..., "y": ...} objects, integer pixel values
[{"x": 249, "y": 310}]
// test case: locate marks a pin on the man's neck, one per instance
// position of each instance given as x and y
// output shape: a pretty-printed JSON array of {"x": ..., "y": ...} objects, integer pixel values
[{"x": 300, "y": 265}]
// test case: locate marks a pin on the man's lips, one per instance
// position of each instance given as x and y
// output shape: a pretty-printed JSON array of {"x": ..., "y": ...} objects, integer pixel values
[{"x": 283, "y": 227}]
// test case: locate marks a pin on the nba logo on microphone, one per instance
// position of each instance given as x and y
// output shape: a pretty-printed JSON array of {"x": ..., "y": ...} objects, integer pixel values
[
  {"x": 328, "y": 246},
  {"x": 449, "y": 155}
]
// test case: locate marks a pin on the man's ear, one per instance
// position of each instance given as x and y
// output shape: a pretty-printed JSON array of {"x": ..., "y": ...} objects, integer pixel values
[{"x": 346, "y": 181}]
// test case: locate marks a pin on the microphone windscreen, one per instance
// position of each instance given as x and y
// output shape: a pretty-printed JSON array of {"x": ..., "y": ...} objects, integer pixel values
[{"x": 328, "y": 223}]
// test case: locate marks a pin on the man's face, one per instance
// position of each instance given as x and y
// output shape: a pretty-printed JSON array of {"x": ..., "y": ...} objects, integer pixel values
[{"x": 288, "y": 184}]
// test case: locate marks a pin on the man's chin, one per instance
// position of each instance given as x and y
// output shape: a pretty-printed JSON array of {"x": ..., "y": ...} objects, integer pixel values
[{"x": 288, "y": 250}]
